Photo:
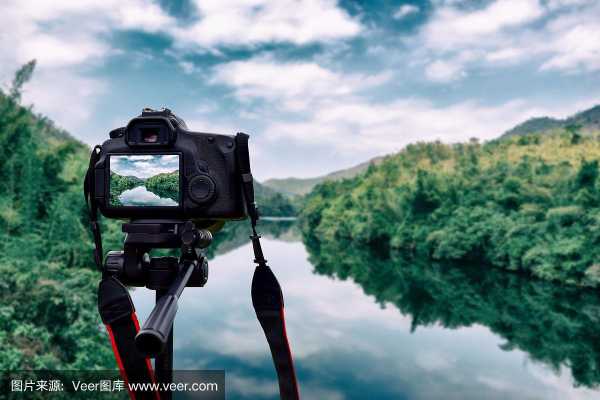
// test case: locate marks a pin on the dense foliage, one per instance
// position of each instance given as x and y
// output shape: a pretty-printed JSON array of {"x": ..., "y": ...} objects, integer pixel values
[
  {"x": 165, "y": 185},
  {"x": 48, "y": 316},
  {"x": 554, "y": 324},
  {"x": 528, "y": 203},
  {"x": 272, "y": 203}
]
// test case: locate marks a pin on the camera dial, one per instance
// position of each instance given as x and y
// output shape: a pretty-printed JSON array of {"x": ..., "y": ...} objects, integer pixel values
[{"x": 202, "y": 189}]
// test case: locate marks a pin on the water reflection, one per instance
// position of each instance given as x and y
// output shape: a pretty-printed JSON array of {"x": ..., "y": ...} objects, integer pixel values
[
  {"x": 554, "y": 324},
  {"x": 448, "y": 333},
  {"x": 140, "y": 196},
  {"x": 236, "y": 234}
]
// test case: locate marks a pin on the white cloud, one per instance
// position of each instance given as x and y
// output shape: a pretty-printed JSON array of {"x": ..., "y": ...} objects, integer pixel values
[
  {"x": 405, "y": 10},
  {"x": 51, "y": 51},
  {"x": 560, "y": 35},
  {"x": 140, "y": 196},
  {"x": 450, "y": 27},
  {"x": 242, "y": 22},
  {"x": 66, "y": 37},
  {"x": 444, "y": 71},
  {"x": 144, "y": 166},
  {"x": 292, "y": 86},
  {"x": 507, "y": 54},
  {"x": 65, "y": 32},
  {"x": 62, "y": 33},
  {"x": 454, "y": 39},
  {"x": 382, "y": 128},
  {"x": 574, "y": 42},
  {"x": 364, "y": 127},
  {"x": 67, "y": 97},
  {"x": 337, "y": 112},
  {"x": 434, "y": 360}
]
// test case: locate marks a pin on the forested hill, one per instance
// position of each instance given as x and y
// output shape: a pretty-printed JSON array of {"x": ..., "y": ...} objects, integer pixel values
[
  {"x": 525, "y": 203},
  {"x": 588, "y": 122},
  {"x": 48, "y": 315}
]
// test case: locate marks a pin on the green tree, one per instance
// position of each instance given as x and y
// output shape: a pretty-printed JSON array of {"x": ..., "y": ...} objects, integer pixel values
[
  {"x": 22, "y": 76},
  {"x": 165, "y": 185}
]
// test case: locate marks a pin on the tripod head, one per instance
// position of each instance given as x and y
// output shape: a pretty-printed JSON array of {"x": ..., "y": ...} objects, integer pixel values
[{"x": 167, "y": 275}]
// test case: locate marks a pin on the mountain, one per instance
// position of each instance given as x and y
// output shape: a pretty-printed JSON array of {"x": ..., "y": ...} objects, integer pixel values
[
  {"x": 302, "y": 186},
  {"x": 271, "y": 203},
  {"x": 588, "y": 121}
]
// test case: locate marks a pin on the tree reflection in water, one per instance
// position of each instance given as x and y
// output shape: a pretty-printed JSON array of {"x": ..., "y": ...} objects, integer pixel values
[{"x": 554, "y": 324}]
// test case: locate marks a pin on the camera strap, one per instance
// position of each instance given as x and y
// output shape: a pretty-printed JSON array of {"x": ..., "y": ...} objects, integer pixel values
[
  {"x": 115, "y": 306},
  {"x": 118, "y": 315},
  {"x": 267, "y": 296},
  {"x": 89, "y": 183}
]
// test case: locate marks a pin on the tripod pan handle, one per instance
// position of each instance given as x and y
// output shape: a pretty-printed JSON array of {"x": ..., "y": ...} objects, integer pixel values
[{"x": 152, "y": 338}]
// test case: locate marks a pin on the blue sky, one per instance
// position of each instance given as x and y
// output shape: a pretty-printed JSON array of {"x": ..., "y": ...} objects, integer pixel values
[{"x": 320, "y": 84}]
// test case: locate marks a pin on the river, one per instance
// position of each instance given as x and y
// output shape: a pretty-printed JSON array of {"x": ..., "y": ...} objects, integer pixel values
[{"x": 365, "y": 328}]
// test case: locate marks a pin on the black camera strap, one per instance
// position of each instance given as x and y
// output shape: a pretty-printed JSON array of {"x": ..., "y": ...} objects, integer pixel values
[
  {"x": 89, "y": 183},
  {"x": 115, "y": 306},
  {"x": 118, "y": 315},
  {"x": 267, "y": 296}
]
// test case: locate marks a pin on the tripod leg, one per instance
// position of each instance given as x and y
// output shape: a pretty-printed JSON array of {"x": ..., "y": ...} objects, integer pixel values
[{"x": 163, "y": 363}]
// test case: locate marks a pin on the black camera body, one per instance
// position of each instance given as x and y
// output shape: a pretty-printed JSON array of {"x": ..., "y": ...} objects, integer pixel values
[{"x": 156, "y": 168}]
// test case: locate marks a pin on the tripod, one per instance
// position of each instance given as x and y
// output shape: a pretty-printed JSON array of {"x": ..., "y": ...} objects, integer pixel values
[
  {"x": 167, "y": 275},
  {"x": 170, "y": 275}
]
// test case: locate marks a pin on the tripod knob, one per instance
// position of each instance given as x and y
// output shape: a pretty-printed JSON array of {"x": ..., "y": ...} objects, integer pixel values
[
  {"x": 189, "y": 235},
  {"x": 192, "y": 237},
  {"x": 114, "y": 263}
]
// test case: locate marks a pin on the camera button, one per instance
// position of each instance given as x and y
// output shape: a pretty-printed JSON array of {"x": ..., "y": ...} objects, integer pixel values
[
  {"x": 201, "y": 188},
  {"x": 202, "y": 166}
]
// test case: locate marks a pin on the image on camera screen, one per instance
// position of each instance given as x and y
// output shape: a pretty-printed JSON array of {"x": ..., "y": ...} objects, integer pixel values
[{"x": 144, "y": 180}]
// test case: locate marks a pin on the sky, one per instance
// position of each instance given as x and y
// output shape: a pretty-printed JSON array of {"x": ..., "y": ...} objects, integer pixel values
[
  {"x": 144, "y": 166},
  {"x": 320, "y": 84}
]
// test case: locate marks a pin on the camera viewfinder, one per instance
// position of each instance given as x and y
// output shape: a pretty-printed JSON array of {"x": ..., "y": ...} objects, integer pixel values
[{"x": 150, "y": 135}]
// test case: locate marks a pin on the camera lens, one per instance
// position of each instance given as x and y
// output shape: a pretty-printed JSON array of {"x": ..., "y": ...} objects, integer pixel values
[{"x": 150, "y": 135}]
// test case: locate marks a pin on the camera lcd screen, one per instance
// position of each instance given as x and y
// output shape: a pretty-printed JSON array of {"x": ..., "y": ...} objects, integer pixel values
[{"x": 144, "y": 180}]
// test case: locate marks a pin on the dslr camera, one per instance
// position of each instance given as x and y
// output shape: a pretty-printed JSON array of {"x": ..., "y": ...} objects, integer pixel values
[
  {"x": 157, "y": 168},
  {"x": 164, "y": 177}
]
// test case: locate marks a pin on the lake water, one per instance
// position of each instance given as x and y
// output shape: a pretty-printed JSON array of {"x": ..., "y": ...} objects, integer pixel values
[
  {"x": 140, "y": 196},
  {"x": 390, "y": 331}
]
